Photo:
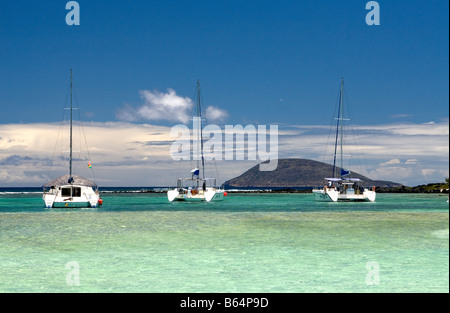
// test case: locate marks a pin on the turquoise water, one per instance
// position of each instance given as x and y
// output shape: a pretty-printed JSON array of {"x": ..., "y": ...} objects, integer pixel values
[{"x": 280, "y": 243}]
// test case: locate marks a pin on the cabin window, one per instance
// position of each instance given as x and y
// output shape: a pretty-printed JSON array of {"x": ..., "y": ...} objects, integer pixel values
[
  {"x": 65, "y": 192},
  {"x": 71, "y": 192},
  {"x": 76, "y": 192}
]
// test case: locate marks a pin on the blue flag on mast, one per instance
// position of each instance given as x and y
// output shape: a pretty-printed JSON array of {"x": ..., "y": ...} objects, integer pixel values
[
  {"x": 344, "y": 172},
  {"x": 195, "y": 172}
]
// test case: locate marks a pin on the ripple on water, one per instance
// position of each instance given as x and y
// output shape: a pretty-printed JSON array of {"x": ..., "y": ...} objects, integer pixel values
[{"x": 441, "y": 233}]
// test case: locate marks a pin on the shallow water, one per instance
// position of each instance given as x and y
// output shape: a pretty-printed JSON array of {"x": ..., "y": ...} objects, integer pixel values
[{"x": 248, "y": 243}]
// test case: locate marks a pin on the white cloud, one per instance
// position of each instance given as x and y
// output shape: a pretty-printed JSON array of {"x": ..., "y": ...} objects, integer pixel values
[
  {"x": 396, "y": 152},
  {"x": 390, "y": 162},
  {"x": 401, "y": 115},
  {"x": 118, "y": 152},
  {"x": 428, "y": 172},
  {"x": 127, "y": 113},
  {"x": 169, "y": 106},
  {"x": 215, "y": 114},
  {"x": 158, "y": 106},
  {"x": 430, "y": 128},
  {"x": 129, "y": 154},
  {"x": 396, "y": 174},
  {"x": 411, "y": 161}
]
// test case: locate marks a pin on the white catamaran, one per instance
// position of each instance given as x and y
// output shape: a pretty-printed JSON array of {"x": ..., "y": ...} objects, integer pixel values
[
  {"x": 197, "y": 187},
  {"x": 342, "y": 188},
  {"x": 71, "y": 191}
]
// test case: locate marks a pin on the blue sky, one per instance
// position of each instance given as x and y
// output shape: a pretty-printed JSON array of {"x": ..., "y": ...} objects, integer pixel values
[{"x": 259, "y": 62}]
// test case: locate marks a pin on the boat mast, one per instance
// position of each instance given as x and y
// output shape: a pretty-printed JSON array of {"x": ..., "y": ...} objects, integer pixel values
[
  {"x": 200, "y": 133},
  {"x": 341, "y": 121},
  {"x": 70, "y": 162},
  {"x": 338, "y": 125}
]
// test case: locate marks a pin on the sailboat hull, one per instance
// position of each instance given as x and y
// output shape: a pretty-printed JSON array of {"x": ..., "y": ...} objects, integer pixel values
[
  {"x": 71, "y": 204},
  {"x": 332, "y": 195},
  {"x": 87, "y": 198},
  {"x": 211, "y": 194},
  {"x": 325, "y": 196}
]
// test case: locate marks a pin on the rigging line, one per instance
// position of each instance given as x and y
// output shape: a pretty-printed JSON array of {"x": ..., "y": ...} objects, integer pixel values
[
  {"x": 199, "y": 113},
  {"x": 355, "y": 144},
  {"x": 56, "y": 144},
  {"x": 205, "y": 119},
  {"x": 81, "y": 131},
  {"x": 85, "y": 142},
  {"x": 337, "y": 129},
  {"x": 178, "y": 172},
  {"x": 63, "y": 121},
  {"x": 71, "y": 116},
  {"x": 331, "y": 127},
  {"x": 217, "y": 173},
  {"x": 191, "y": 133},
  {"x": 64, "y": 139}
]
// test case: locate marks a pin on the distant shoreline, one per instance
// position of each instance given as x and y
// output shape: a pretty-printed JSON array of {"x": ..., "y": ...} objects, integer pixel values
[
  {"x": 439, "y": 188},
  {"x": 377, "y": 189}
]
